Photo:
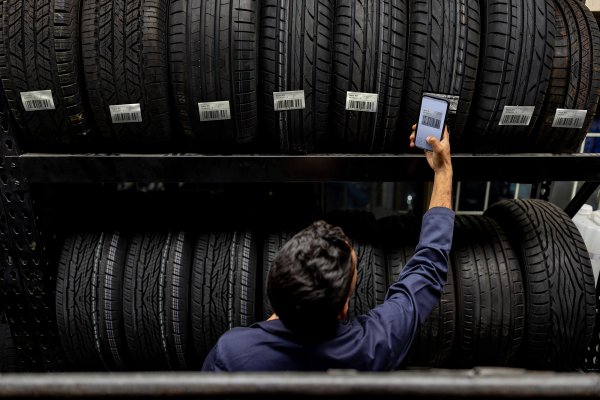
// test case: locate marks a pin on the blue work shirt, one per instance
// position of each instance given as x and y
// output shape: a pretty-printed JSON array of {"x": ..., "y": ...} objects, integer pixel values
[{"x": 376, "y": 341}]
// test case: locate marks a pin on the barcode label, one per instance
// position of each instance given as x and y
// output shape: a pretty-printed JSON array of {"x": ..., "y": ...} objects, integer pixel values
[
  {"x": 565, "y": 118},
  {"x": 126, "y": 113},
  {"x": 451, "y": 99},
  {"x": 432, "y": 119},
  {"x": 364, "y": 102},
  {"x": 294, "y": 100},
  {"x": 214, "y": 111},
  {"x": 517, "y": 115},
  {"x": 38, "y": 100}
]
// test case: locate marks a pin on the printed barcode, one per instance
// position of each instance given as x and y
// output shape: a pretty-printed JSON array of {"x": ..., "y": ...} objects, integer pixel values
[
  {"x": 569, "y": 122},
  {"x": 38, "y": 104},
  {"x": 214, "y": 114},
  {"x": 515, "y": 120},
  {"x": 431, "y": 122},
  {"x": 289, "y": 104},
  {"x": 361, "y": 105},
  {"x": 127, "y": 117}
]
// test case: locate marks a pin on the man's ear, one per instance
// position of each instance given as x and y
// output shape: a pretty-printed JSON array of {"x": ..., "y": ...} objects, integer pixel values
[{"x": 344, "y": 313}]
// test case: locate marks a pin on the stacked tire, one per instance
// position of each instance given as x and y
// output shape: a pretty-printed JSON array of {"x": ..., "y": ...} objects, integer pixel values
[
  {"x": 519, "y": 291},
  {"x": 297, "y": 77},
  {"x": 152, "y": 301}
]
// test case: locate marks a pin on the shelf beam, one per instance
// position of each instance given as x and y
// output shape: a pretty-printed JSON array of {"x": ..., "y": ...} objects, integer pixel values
[
  {"x": 90, "y": 168},
  {"x": 475, "y": 384}
]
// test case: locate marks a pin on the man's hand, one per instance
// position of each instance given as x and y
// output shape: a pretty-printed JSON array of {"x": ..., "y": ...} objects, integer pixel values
[{"x": 439, "y": 160}]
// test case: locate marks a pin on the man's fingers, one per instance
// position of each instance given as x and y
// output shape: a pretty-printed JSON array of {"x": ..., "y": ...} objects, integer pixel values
[
  {"x": 446, "y": 135},
  {"x": 435, "y": 144},
  {"x": 414, "y": 127}
]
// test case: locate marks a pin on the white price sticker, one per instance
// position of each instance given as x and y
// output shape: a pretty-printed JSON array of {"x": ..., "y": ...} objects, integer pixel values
[
  {"x": 569, "y": 118},
  {"x": 294, "y": 100},
  {"x": 451, "y": 99},
  {"x": 126, "y": 113},
  {"x": 214, "y": 111},
  {"x": 517, "y": 115},
  {"x": 37, "y": 101},
  {"x": 365, "y": 102}
]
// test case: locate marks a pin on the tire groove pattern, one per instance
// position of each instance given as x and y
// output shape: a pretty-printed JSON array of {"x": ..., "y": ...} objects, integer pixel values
[
  {"x": 39, "y": 50},
  {"x": 213, "y": 57},
  {"x": 89, "y": 301},
  {"x": 223, "y": 286},
  {"x": 517, "y": 43},
  {"x": 123, "y": 44},
  {"x": 156, "y": 301},
  {"x": 443, "y": 56},
  {"x": 559, "y": 283},
  {"x": 369, "y": 56},
  {"x": 490, "y": 301},
  {"x": 434, "y": 340},
  {"x": 296, "y": 54}
]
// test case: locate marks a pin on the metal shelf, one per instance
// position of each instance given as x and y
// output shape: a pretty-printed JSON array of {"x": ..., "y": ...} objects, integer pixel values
[
  {"x": 439, "y": 384},
  {"x": 89, "y": 168}
]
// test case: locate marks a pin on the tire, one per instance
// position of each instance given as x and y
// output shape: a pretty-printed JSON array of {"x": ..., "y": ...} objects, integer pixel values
[
  {"x": 372, "y": 283},
  {"x": 369, "y": 56},
  {"x": 89, "y": 289},
  {"x": 575, "y": 82},
  {"x": 559, "y": 283},
  {"x": 213, "y": 58},
  {"x": 517, "y": 44},
  {"x": 123, "y": 45},
  {"x": 434, "y": 340},
  {"x": 489, "y": 294},
  {"x": 156, "y": 298},
  {"x": 8, "y": 352},
  {"x": 39, "y": 50},
  {"x": 273, "y": 243},
  {"x": 591, "y": 361},
  {"x": 296, "y": 47},
  {"x": 223, "y": 286},
  {"x": 443, "y": 56}
]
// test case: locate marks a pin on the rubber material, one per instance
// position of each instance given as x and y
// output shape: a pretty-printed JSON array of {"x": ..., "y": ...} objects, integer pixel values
[
  {"x": 223, "y": 286},
  {"x": 156, "y": 301},
  {"x": 443, "y": 57},
  {"x": 273, "y": 243},
  {"x": 490, "y": 301},
  {"x": 296, "y": 54},
  {"x": 39, "y": 50},
  {"x": 89, "y": 290},
  {"x": 8, "y": 352},
  {"x": 575, "y": 82},
  {"x": 213, "y": 57},
  {"x": 559, "y": 283},
  {"x": 372, "y": 283},
  {"x": 434, "y": 340},
  {"x": 369, "y": 56},
  {"x": 124, "y": 47},
  {"x": 517, "y": 42}
]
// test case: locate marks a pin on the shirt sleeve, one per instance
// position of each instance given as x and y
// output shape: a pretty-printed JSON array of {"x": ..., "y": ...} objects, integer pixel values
[{"x": 390, "y": 327}]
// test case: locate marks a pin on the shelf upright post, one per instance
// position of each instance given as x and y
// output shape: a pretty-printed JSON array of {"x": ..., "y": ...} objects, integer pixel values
[{"x": 27, "y": 283}]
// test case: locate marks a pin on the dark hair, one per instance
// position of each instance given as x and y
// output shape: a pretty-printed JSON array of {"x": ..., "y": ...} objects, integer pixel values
[{"x": 309, "y": 281}]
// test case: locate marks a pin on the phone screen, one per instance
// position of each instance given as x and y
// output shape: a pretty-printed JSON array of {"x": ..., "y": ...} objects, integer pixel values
[{"x": 432, "y": 119}]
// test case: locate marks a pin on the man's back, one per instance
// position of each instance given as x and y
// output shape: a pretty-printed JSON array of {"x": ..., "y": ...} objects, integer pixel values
[{"x": 377, "y": 341}]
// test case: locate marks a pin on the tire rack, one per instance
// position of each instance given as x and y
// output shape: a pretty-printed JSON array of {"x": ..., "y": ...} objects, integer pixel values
[{"x": 27, "y": 284}]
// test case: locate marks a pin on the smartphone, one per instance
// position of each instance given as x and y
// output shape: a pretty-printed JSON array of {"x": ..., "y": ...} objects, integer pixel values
[{"x": 432, "y": 120}]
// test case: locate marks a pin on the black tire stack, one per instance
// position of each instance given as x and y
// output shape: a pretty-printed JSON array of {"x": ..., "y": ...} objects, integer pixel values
[
  {"x": 210, "y": 75},
  {"x": 558, "y": 279},
  {"x": 519, "y": 291}
]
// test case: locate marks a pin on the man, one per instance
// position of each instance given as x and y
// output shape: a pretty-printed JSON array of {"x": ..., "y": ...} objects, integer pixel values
[{"x": 310, "y": 285}]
